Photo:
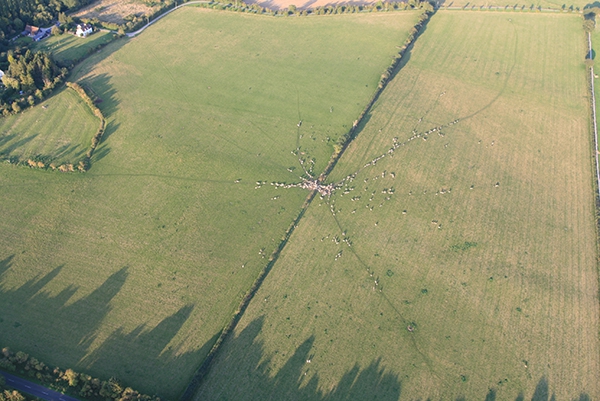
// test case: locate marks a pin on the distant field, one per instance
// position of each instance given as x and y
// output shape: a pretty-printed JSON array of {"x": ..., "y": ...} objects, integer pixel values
[
  {"x": 133, "y": 268},
  {"x": 305, "y": 4},
  {"x": 525, "y": 6},
  {"x": 67, "y": 48},
  {"x": 114, "y": 10},
  {"x": 59, "y": 130},
  {"x": 472, "y": 270}
]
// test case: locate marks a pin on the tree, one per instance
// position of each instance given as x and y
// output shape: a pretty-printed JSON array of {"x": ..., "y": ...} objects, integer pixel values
[
  {"x": 589, "y": 25},
  {"x": 56, "y": 31},
  {"x": 72, "y": 377},
  {"x": 65, "y": 19},
  {"x": 18, "y": 24},
  {"x": 20, "y": 356}
]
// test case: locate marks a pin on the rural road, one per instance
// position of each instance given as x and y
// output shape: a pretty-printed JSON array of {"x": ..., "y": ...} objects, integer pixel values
[
  {"x": 133, "y": 34},
  {"x": 34, "y": 389}
]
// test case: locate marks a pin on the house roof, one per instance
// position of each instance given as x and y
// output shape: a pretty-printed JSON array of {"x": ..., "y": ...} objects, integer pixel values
[{"x": 31, "y": 29}]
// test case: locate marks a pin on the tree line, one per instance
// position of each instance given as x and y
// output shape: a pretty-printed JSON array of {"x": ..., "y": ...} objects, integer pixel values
[
  {"x": 30, "y": 77},
  {"x": 322, "y": 10},
  {"x": 84, "y": 165},
  {"x": 66, "y": 381},
  {"x": 15, "y": 14},
  {"x": 9, "y": 395}
]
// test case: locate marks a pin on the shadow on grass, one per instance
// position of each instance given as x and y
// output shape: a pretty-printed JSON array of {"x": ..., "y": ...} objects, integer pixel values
[
  {"x": 12, "y": 146},
  {"x": 102, "y": 92},
  {"x": 66, "y": 57},
  {"x": 541, "y": 393},
  {"x": 243, "y": 370},
  {"x": 4, "y": 139},
  {"x": 87, "y": 65},
  {"x": 60, "y": 326},
  {"x": 103, "y": 149},
  {"x": 243, "y": 362}
]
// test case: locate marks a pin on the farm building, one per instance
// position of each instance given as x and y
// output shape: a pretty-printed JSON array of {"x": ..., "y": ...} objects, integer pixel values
[
  {"x": 83, "y": 30},
  {"x": 36, "y": 33}
]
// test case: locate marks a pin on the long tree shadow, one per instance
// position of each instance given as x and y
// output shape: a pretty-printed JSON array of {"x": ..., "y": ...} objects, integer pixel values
[
  {"x": 61, "y": 329},
  {"x": 247, "y": 365},
  {"x": 80, "y": 50},
  {"x": 244, "y": 361},
  {"x": 88, "y": 64},
  {"x": 102, "y": 92}
]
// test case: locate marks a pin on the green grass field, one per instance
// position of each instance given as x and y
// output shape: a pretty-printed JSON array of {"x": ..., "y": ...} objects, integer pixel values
[
  {"x": 133, "y": 268},
  {"x": 68, "y": 48},
  {"x": 472, "y": 270},
  {"x": 58, "y": 131}
]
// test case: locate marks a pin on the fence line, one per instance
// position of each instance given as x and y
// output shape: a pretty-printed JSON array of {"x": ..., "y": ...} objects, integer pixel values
[{"x": 595, "y": 124}]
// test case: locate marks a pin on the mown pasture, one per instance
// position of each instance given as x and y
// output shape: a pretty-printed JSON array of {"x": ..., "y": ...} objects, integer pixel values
[
  {"x": 58, "y": 131},
  {"x": 67, "y": 48},
  {"x": 133, "y": 268},
  {"x": 463, "y": 264}
]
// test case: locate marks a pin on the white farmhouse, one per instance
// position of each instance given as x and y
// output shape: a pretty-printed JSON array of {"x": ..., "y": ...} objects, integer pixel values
[{"x": 83, "y": 30}]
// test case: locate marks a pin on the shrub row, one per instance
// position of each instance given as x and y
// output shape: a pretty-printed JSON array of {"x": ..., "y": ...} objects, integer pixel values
[
  {"x": 202, "y": 371},
  {"x": 11, "y": 395},
  {"x": 345, "y": 139},
  {"x": 321, "y": 10},
  {"x": 132, "y": 22},
  {"x": 80, "y": 384},
  {"x": 45, "y": 162},
  {"x": 514, "y": 7},
  {"x": 91, "y": 50},
  {"x": 98, "y": 136}
]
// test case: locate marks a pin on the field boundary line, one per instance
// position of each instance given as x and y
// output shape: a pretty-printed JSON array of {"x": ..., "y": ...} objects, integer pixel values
[
  {"x": 134, "y": 34},
  {"x": 204, "y": 368},
  {"x": 387, "y": 76},
  {"x": 594, "y": 121}
]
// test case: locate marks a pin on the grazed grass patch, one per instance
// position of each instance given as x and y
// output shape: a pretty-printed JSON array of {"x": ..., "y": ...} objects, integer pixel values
[
  {"x": 134, "y": 267},
  {"x": 489, "y": 140}
]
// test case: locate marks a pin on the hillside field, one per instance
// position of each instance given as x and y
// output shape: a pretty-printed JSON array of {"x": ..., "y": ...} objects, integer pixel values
[
  {"x": 133, "y": 268},
  {"x": 463, "y": 264},
  {"x": 58, "y": 131}
]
